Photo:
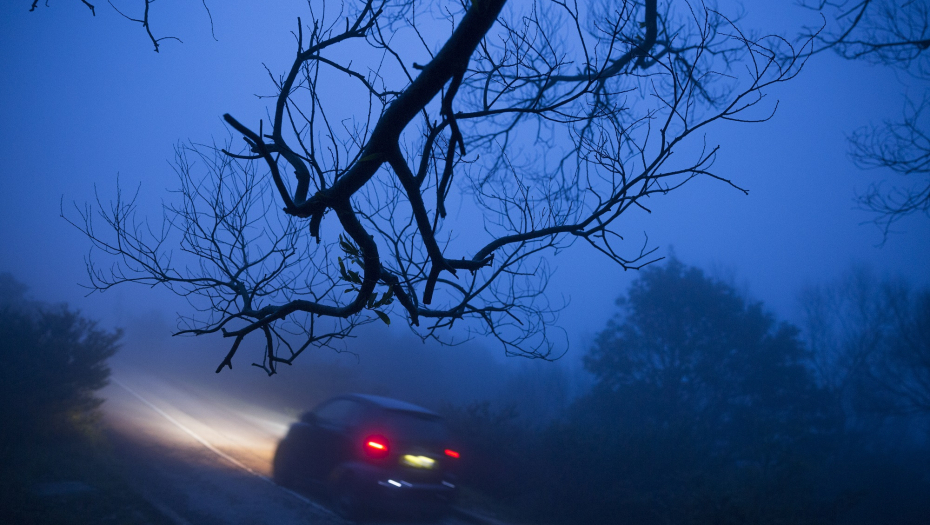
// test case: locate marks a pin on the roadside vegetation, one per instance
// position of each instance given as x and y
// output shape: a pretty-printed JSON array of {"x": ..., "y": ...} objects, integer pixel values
[
  {"x": 706, "y": 409},
  {"x": 697, "y": 406},
  {"x": 55, "y": 463}
]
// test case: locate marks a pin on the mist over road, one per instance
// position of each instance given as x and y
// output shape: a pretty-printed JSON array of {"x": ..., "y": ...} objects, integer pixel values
[{"x": 202, "y": 456}]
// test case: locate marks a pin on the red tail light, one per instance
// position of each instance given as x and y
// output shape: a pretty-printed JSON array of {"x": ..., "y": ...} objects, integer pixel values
[
  {"x": 376, "y": 446},
  {"x": 452, "y": 454}
]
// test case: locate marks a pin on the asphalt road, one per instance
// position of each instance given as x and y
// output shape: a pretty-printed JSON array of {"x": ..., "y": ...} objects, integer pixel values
[{"x": 204, "y": 457}]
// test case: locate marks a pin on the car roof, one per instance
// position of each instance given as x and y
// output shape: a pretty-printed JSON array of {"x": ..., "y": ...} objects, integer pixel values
[{"x": 390, "y": 403}]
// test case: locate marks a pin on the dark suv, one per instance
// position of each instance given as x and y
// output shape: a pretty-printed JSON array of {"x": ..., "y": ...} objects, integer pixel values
[{"x": 368, "y": 453}]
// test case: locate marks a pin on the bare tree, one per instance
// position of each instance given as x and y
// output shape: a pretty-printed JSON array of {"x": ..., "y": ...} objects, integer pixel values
[
  {"x": 846, "y": 324},
  {"x": 870, "y": 341},
  {"x": 903, "y": 147},
  {"x": 893, "y": 33},
  {"x": 482, "y": 137},
  {"x": 889, "y": 32},
  {"x": 906, "y": 371}
]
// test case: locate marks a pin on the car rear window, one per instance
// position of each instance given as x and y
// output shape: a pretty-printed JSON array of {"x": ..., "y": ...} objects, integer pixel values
[
  {"x": 415, "y": 425},
  {"x": 340, "y": 412}
]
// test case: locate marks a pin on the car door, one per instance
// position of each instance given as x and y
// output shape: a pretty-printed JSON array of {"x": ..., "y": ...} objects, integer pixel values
[{"x": 333, "y": 423}]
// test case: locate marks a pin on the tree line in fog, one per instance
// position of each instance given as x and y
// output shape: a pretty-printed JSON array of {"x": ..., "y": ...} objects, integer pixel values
[
  {"x": 700, "y": 406},
  {"x": 707, "y": 409}
]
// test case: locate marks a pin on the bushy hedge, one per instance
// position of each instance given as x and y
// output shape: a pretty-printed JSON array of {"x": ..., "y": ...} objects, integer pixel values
[{"x": 52, "y": 361}]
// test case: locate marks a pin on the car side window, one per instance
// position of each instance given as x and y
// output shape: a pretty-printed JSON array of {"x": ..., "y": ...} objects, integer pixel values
[{"x": 341, "y": 412}]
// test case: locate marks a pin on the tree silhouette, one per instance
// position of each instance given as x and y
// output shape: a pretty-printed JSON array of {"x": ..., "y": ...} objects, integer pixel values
[
  {"x": 54, "y": 361},
  {"x": 870, "y": 339},
  {"x": 691, "y": 352},
  {"x": 542, "y": 124},
  {"x": 871, "y": 343},
  {"x": 703, "y": 410}
]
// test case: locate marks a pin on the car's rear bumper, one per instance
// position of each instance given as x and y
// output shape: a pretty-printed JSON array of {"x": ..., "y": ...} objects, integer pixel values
[{"x": 395, "y": 490}]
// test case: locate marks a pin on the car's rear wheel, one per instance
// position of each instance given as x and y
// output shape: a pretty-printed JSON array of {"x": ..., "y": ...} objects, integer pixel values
[{"x": 346, "y": 500}]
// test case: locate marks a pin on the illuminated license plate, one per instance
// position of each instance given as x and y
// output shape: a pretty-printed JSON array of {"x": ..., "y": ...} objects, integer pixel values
[{"x": 418, "y": 461}]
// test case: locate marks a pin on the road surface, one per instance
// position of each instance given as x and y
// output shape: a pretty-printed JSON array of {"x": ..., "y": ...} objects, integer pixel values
[{"x": 204, "y": 457}]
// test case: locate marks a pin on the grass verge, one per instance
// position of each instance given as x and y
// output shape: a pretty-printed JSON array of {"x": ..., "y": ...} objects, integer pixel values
[{"x": 72, "y": 480}]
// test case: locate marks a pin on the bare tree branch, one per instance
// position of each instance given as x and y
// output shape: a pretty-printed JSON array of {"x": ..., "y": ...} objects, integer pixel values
[
  {"x": 894, "y": 33},
  {"x": 144, "y": 20},
  {"x": 447, "y": 184},
  {"x": 904, "y": 148}
]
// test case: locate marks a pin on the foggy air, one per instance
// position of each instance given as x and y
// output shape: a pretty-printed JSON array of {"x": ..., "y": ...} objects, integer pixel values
[{"x": 465, "y": 262}]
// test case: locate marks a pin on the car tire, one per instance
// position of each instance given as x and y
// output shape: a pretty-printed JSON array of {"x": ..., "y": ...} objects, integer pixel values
[{"x": 345, "y": 498}]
